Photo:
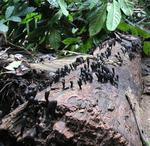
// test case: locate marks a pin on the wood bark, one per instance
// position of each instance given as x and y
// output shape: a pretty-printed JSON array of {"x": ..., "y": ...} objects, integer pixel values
[{"x": 99, "y": 114}]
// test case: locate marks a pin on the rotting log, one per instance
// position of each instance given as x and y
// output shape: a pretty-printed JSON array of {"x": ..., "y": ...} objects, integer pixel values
[{"x": 94, "y": 113}]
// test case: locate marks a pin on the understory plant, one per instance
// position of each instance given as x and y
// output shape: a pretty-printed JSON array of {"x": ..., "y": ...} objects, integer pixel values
[{"x": 75, "y": 25}]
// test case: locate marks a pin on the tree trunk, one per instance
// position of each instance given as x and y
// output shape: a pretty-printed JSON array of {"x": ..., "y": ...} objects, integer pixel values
[{"x": 98, "y": 114}]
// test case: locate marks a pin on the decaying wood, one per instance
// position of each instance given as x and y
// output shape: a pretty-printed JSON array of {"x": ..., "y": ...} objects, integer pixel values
[{"x": 98, "y": 114}]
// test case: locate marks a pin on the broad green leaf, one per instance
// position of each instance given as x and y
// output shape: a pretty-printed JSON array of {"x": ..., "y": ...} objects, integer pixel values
[
  {"x": 146, "y": 48},
  {"x": 69, "y": 41},
  {"x": 3, "y": 27},
  {"x": 134, "y": 30},
  {"x": 55, "y": 39},
  {"x": 113, "y": 16},
  {"x": 2, "y": 21},
  {"x": 97, "y": 21},
  {"x": 14, "y": 19},
  {"x": 53, "y": 3},
  {"x": 126, "y": 7},
  {"x": 31, "y": 16},
  {"x": 63, "y": 7},
  {"x": 26, "y": 11},
  {"x": 9, "y": 11},
  {"x": 109, "y": 5}
]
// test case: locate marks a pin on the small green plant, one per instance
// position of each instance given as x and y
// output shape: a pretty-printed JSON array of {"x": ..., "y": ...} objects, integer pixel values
[{"x": 75, "y": 25}]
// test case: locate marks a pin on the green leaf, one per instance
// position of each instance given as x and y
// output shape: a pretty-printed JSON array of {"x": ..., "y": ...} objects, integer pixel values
[
  {"x": 9, "y": 11},
  {"x": 74, "y": 30},
  {"x": 26, "y": 11},
  {"x": 126, "y": 7},
  {"x": 16, "y": 1},
  {"x": 89, "y": 4},
  {"x": 55, "y": 18},
  {"x": 97, "y": 21},
  {"x": 113, "y": 16},
  {"x": 93, "y": 3},
  {"x": 14, "y": 19},
  {"x": 86, "y": 46},
  {"x": 53, "y": 3},
  {"x": 30, "y": 17},
  {"x": 2, "y": 21},
  {"x": 3, "y": 27},
  {"x": 146, "y": 48},
  {"x": 148, "y": 143},
  {"x": 69, "y": 41},
  {"x": 55, "y": 39},
  {"x": 134, "y": 30},
  {"x": 70, "y": 18},
  {"x": 63, "y": 7}
]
